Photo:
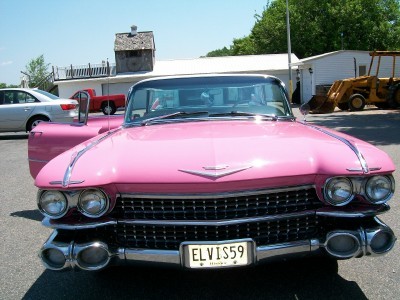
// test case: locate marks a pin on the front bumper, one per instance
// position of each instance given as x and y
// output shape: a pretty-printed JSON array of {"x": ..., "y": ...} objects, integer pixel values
[{"x": 59, "y": 254}]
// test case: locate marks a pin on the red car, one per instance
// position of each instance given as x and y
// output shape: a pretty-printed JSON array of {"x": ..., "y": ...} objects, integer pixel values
[{"x": 107, "y": 104}]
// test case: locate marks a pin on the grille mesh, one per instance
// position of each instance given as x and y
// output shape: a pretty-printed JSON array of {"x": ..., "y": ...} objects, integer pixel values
[
  {"x": 170, "y": 237},
  {"x": 291, "y": 210},
  {"x": 217, "y": 208}
]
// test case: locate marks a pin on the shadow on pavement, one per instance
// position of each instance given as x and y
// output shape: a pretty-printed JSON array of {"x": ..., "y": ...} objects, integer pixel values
[
  {"x": 377, "y": 128},
  {"x": 22, "y": 136},
  {"x": 300, "y": 279},
  {"x": 33, "y": 214}
]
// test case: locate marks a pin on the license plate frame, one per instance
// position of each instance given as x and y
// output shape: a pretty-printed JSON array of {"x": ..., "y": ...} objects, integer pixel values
[{"x": 217, "y": 254}]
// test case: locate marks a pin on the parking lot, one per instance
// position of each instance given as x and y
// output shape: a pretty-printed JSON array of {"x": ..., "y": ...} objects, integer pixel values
[{"x": 23, "y": 276}]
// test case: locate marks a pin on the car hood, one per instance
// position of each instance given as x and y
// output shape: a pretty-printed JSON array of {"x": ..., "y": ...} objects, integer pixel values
[{"x": 208, "y": 155}]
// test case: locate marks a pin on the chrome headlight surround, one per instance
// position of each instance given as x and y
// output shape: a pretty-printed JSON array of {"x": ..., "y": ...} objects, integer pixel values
[
  {"x": 379, "y": 189},
  {"x": 338, "y": 191},
  {"x": 93, "y": 203},
  {"x": 52, "y": 203}
]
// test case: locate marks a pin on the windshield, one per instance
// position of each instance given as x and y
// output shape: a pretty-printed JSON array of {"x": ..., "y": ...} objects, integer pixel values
[
  {"x": 51, "y": 96},
  {"x": 206, "y": 97}
]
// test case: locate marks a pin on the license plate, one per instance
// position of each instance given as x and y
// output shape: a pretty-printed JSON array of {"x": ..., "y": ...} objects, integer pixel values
[{"x": 217, "y": 255}]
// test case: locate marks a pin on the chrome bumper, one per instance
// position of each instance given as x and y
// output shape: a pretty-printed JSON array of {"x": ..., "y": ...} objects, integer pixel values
[{"x": 340, "y": 244}]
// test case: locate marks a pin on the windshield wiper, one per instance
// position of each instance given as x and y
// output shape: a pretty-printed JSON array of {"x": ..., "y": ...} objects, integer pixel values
[
  {"x": 174, "y": 115},
  {"x": 244, "y": 114}
]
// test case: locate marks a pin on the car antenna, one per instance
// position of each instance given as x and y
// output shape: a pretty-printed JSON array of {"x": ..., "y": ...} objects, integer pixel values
[{"x": 108, "y": 92}]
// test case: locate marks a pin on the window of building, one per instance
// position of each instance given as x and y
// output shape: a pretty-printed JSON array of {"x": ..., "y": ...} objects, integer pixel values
[{"x": 362, "y": 70}]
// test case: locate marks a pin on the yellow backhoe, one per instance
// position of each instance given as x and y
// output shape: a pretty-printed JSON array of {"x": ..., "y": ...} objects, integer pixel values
[{"x": 354, "y": 93}]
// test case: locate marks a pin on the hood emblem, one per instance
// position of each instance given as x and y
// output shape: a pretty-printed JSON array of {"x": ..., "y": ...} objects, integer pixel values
[{"x": 215, "y": 171}]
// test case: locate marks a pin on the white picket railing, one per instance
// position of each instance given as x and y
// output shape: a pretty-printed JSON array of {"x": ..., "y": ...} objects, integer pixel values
[{"x": 84, "y": 71}]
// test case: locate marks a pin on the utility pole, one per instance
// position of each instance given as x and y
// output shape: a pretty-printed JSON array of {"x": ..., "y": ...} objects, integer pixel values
[{"x": 289, "y": 51}]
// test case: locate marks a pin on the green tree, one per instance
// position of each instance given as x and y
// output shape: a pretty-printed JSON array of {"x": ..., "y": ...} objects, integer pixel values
[
  {"x": 4, "y": 85},
  {"x": 219, "y": 52},
  {"x": 323, "y": 26},
  {"x": 37, "y": 71}
]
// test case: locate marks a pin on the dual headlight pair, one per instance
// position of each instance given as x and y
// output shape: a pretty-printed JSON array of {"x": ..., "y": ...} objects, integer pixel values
[
  {"x": 339, "y": 191},
  {"x": 92, "y": 203}
]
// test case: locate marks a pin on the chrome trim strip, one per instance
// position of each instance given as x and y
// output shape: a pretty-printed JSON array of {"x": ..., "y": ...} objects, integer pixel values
[
  {"x": 74, "y": 159},
  {"x": 105, "y": 222},
  {"x": 37, "y": 160},
  {"x": 353, "y": 147},
  {"x": 360, "y": 170},
  {"x": 47, "y": 222},
  {"x": 71, "y": 182},
  {"x": 362, "y": 213},
  {"x": 218, "y": 222},
  {"x": 275, "y": 251},
  {"x": 220, "y": 195},
  {"x": 324, "y": 212}
]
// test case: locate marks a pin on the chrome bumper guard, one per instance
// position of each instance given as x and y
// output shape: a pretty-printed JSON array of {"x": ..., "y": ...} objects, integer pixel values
[{"x": 340, "y": 244}]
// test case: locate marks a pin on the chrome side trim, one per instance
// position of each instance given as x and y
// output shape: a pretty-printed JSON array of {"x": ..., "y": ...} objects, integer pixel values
[
  {"x": 74, "y": 158},
  {"x": 71, "y": 182},
  {"x": 360, "y": 170},
  {"x": 216, "y": 196},
  {"x": 37, "y": 160},
  {"x": 361, "y": 159}
]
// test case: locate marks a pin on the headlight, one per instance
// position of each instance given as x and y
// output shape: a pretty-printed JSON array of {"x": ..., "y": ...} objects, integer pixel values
[
  {"x": 93, "y": 203},
  {"x": 379, "y": 189},
  {"x": 53, "y": 204},
  {"x": 338, "y": 191}
]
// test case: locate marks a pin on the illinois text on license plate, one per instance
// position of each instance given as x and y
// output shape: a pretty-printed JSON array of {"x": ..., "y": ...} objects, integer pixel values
[{"x": 217, "y": 255}]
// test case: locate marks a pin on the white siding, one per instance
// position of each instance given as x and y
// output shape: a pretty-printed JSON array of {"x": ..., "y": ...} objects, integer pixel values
[
  {"x": 271, "y": 64},
  {"x": 67, "y": 89}
]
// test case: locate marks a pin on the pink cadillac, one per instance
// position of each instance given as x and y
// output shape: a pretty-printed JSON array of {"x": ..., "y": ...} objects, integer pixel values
[{"x": 207, "y": 172}]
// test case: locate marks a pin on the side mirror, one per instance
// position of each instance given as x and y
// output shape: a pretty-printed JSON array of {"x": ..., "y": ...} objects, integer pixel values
[
  {"x": 305, "y": 110},
  {"x": 84, "y": 101}
]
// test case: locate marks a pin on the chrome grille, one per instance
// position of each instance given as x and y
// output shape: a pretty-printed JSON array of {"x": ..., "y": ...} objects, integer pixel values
[
  {"x": 218, "y": 207},
  {"x": 171, "y": 236}
]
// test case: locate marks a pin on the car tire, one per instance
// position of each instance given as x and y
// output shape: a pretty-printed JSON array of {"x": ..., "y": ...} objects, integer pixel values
[
  {"x": 394, "y": 96},
  {"x": 34, "y": 121},
  {"x": 108, "y": 108},
  {"x": 356, "y": 102}
]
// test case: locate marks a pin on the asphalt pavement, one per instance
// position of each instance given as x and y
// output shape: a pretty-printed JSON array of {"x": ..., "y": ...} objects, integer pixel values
[{"x": 22, "y": 275}]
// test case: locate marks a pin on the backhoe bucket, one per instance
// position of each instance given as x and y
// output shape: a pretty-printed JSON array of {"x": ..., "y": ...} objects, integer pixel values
[{"x": 321, "y": 105}]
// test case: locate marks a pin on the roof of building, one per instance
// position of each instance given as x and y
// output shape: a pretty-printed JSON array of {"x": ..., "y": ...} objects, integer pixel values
[
  {"x": 222, "y": 64},
  {"x": 265, "y": 63},
  {"x": 140, "y": 41},
  {"x": 321, "y": 56}
]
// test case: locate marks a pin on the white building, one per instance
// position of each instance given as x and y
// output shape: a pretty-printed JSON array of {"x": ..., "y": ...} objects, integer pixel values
[
  {"x": 271, "y": 64},
  {"x": 322, "y": 70}
]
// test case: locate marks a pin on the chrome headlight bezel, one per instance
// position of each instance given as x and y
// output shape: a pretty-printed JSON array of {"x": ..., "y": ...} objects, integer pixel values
[
  {"x": 368, "y": 190},
  {"x": 102, "y": 199},
  {"x": 42, "y": 206},
  {"x": 329, "y": 192}
]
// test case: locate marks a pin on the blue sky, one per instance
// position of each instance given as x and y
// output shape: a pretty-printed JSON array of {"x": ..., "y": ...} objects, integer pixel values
[{"x": 83, "y": 31}]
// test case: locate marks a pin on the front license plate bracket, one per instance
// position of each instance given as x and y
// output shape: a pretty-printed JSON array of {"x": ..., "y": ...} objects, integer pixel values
[{"x": 217, "y": 254}]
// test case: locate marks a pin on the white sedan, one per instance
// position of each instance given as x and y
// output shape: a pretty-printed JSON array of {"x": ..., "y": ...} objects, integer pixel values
[{"x": 21, "y": 109}]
